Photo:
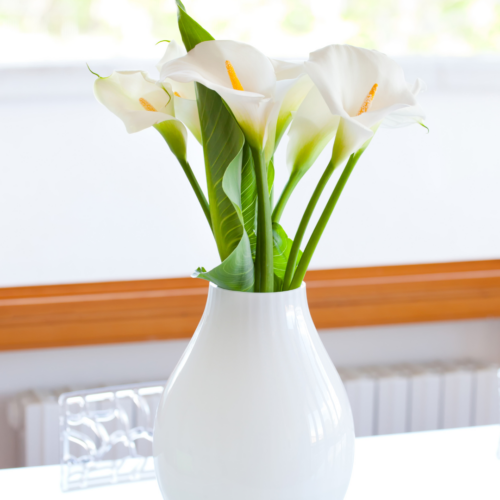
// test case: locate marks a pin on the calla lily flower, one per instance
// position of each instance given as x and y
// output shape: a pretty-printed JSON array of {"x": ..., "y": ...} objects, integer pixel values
[
  {"x": 136, "y": 99},
  {"x": 186, "y": 108},
  {"x": 283, "y": 114},
  {"x": 409, "y": 115},
  {"x": 313, "y": 127},
  {"x": 356, "y": 90},
  {"x": 253, "y": 86},
  {"x": 140, "y": 103}
]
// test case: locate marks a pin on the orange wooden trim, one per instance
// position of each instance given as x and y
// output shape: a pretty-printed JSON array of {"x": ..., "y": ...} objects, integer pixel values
[{"x": 129, "y": 311}]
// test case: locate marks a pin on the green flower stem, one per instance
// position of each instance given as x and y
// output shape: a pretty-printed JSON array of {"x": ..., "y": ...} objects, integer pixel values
[
  {"x": 299, "y": 236},
  {"x": 264, "y": 269},
  {"x": 172, "y": 132},
  {"x": 323, "y": 221},
  {"x": 291, "y": 184},
  {"x": 197, "y": 190}
]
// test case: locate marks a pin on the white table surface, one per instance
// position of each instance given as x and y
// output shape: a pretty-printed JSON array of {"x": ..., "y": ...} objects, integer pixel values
[{"x": 439, "y": 465}]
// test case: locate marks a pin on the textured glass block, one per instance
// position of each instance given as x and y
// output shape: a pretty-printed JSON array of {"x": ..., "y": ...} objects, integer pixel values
[{"x": 107, "y": 434}]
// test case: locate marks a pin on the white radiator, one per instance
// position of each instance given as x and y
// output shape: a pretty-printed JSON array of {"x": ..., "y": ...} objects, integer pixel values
[
  {"x": 384, "y": 400},
  {"x": 34, "y": 416},
  {"x": 409, "y": 398}
]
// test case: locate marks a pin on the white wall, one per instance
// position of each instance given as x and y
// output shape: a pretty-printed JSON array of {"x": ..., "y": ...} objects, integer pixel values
[
  {"x": 86, "y": 367},
  {"x": 80, "y": 200}
]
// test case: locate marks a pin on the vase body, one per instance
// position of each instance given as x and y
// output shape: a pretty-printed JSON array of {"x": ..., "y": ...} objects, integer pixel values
[{"x": 255, "y": 409}]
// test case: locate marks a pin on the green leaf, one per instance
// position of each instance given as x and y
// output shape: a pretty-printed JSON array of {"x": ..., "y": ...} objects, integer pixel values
[
  {"x": 223, "y": 148},
  {"x": 282, "y": 245},
  {"x": 278, "y": 284},
  {"x": 236, "y": 272},
  {"x": 192, "y": 33},
  {"x": 222, "y": 141}
]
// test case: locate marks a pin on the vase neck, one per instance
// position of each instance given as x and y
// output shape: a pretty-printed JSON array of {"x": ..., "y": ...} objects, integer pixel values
[{"x": 257, "y": 311}]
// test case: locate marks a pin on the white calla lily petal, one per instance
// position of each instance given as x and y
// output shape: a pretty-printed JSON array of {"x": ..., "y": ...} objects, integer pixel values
[
  {"x": 291, "y": 102},
  {"x": 345, "y": 74},
  {"x": 289, "y": 94},
  {"x": 121, "y": 93},
  {"x": 140, "y": 102},
  {"x": 373, "y": 118},
  {"x": 351, "y": 135},
  {"x": 313, "y": 126},
  {"x": 364, "y": 88},
  {"x": 287, "y": 70},
  {"x": 408, "y": 115},
  {"x": 187, "y": 111},
  {"x": 292, "y": 87},
  {"x": 265, "y": 83},
  {"x": 173, "y": 51},
  {"x": 206, "y": 64},
  {"x": 183, "y": 90},
  {"x": 404, "y": 117}
]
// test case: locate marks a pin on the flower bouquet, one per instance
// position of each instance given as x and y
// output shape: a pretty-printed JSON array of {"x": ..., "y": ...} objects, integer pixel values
[
  {"x": 255, "y": 408},
  {"x": 238, "y": 104}
]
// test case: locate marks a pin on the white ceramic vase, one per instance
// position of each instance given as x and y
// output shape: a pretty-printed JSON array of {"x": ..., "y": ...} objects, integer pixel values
[{"x": 255, "y": 409}]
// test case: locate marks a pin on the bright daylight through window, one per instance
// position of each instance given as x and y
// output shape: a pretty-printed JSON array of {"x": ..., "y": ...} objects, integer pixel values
[{"x": 62, "y": 30}]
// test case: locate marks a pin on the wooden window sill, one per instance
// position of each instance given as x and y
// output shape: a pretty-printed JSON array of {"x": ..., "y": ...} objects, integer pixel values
[{"x": 130, "y": 311}]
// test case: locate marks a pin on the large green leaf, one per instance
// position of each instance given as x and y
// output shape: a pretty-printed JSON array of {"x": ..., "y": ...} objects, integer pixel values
[
  {"x": 234, "y": 273},
  {"x": 282, "y": 245},
  {"x": 237, "y": 271},
  {"x": 224, "y": 152},
  {"x": 222, "y": 141}
]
